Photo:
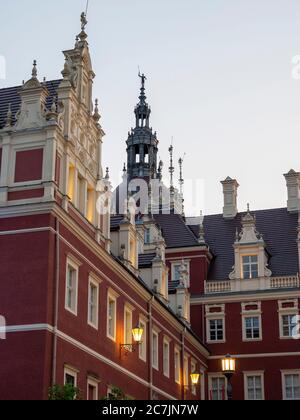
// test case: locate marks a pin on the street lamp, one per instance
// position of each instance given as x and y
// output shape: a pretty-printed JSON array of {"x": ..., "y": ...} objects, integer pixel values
[
  {"x": 195, "y": 377},
  {"x": 228, "y": 369},
  {"x": 137, "y": 334}
]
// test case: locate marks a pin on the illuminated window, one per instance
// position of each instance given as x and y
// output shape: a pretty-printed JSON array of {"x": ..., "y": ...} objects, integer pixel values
[
  {"x": 127, "y": 326},
  {"x": 166, "y": 358},
  {"x": 71, "y": 183},
  {"x": 186, "y": 371},
  {"x": 250, "y": 267},
  {"x": 81, "y": 195},
  {"x": 177, "y": 366},
  {"x": 111, "y": 317}
]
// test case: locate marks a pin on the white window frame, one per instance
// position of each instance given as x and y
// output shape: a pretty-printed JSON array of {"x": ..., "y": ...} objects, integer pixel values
[
  {"x": 289, "y": 311},
  {"x": 211, "y": 316},
  {"x": 250, "y": 264},
  {"x": 244, "y": 318},
  {"x": 166, "y": 361},
  {"x": 143, "y": 345},
  {"x": 177, "y": 366},
  {"x": 71, "y": 372},
  {"x": 155, "y": 361},
  {"x": 111, "y": 296},
  {"x": 129, "y": 339},
  {"x": 285, "y": 373},
  {"x": 212, "y": 376},
  {"x": 96, "y": 285},
  {"x": 215, "y": 318},
  {"x": 247, "y": 375},
  {"x": 75, "y": 266},
  {"x": 92, "y": 382}
]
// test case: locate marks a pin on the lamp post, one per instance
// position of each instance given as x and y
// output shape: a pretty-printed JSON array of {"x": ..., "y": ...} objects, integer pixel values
[
  {"x": 137, "y": 334},
  {"x": 195, "y": 377},
  {"x": 228, "y": 369}
]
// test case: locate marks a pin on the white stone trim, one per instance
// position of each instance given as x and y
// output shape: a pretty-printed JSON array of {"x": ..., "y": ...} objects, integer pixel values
[
  {"x": 71, "y": 372},
  {"x": 92, "y": 382},
  {"x": 257, "y": 355}
]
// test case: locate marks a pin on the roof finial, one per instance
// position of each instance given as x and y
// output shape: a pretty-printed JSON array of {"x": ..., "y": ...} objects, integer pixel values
[
  {"x": 181, "y": 181},
  {"x": 96, "y": 115},
  {"x": 248, "y": 208},
  {"x": 34, "y": 70},
  {"x": 107, "y": 174}
]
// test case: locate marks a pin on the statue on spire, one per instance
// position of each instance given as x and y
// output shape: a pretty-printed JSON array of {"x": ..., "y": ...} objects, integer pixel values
[
  {"x": 143, "y": 79},
  {"x": 83, "y": 20}
]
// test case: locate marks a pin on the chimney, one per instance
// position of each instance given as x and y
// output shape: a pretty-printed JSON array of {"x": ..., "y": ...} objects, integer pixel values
[
  {"x": 230, "y": 191},
  {"x": 293, "y": 189}
]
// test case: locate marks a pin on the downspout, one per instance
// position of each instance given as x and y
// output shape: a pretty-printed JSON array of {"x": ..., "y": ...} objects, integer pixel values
[
  {"x": 55, "y": 305},
  {"x": 150, "y": 340}
]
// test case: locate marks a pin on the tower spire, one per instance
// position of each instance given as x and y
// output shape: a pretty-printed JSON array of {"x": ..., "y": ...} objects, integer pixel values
[{"x": 142, "y": 142}]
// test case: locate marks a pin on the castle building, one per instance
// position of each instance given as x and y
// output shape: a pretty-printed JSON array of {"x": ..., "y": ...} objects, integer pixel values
[{"x": 78, "y": 275}]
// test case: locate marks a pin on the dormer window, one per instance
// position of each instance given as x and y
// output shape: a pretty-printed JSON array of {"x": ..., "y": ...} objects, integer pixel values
[{"x": 250, "y": 267}]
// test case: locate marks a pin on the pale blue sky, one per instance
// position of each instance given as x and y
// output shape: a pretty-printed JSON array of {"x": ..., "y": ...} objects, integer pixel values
[{"x": 219, "y": 80}]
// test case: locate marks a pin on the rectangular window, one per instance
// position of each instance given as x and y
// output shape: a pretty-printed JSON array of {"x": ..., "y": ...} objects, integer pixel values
[
  {"x": 186, "y": 371},
  {"x": 217, "y": 389},
  {"x": 93, "y": 308},
  {"x": 252, "y": 328},
  {"x": 289, "y": 324},
  {"x": 216, "y": 330},
  {"x": 127, "y": 326},
  {"x": 177, "y": 366},
  {"x": 147, "y": 236},
  {"x": 254, "y": 387},
  {"x": 166, "y": 351},
  {"x": 111, "y": 317},
  {"x": 70, "y": 377},
  {"x": 155, "y": 350},
  {"x": 71, "y": 287},
  {"x": 92, "y": 390},
  {"x": 143, "y": 345},
  {"x": 81, "y": 195},
  {"x": 250, "y": 267},
  {"x": 71, "y": 183},
  {"x": 291, "y": 386}
]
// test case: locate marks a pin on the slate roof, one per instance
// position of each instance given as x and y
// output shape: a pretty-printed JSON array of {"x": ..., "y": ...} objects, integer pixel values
[
  {"x": 175, "y": 231},
  {"x": 145, "y": 260},
  {"x": 279, "y": 230},
  {"x": 11, "y": 96}
]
